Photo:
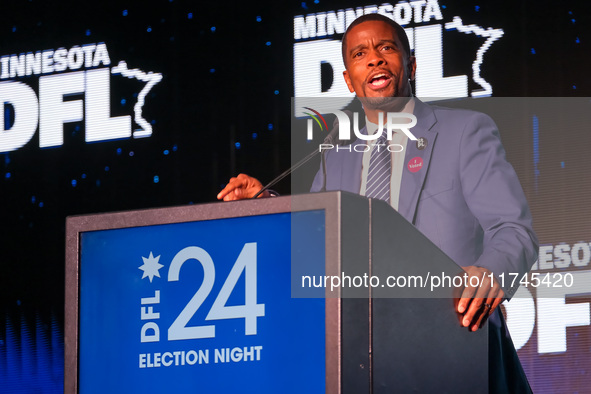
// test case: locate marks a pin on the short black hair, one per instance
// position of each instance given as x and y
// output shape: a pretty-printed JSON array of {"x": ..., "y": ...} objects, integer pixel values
[{"x": 381, "y": 18}]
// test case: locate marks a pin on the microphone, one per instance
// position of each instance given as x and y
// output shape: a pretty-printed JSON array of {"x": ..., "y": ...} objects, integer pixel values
[{"x": 331, "y": 138}]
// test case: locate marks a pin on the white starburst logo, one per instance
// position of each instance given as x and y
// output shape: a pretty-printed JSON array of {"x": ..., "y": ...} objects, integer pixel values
[{"x": 151, "y": 267}]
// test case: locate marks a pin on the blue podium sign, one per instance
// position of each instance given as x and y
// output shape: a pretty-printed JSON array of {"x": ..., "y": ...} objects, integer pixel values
[{"x": 200, "y": 306}]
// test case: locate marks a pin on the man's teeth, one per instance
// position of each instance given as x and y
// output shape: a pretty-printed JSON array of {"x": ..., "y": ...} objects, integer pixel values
[{"x": 379, "y": 79}]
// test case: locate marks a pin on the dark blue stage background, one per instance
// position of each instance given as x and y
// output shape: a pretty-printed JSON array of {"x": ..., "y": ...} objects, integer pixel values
[{"x": 222, "y": 107}]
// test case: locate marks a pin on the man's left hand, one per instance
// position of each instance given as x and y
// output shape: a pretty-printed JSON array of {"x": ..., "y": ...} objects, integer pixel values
[{"x": 478, "y": 303}]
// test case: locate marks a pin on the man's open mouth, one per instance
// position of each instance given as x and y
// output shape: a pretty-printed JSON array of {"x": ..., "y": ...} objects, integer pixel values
[{"x": 380, "y": 80}]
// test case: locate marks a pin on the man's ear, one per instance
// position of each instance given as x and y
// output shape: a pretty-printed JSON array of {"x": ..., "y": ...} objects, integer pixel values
[
  {"x": 412, "y": 67},
  {"x": 348, "y": 81}
]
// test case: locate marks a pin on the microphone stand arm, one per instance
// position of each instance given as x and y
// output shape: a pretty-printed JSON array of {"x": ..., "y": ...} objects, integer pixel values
[{"x": 287, "y": 172}]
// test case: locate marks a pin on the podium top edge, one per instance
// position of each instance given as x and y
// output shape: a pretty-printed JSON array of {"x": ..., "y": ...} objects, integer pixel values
[{"x": 205, "y": 211}]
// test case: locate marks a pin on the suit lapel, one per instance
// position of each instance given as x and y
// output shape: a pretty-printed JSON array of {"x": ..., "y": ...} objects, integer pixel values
[
  {"x": 413, "y": 176},
  {"x": 351, "y": 175},
  {"x": 345, "y": 174}
]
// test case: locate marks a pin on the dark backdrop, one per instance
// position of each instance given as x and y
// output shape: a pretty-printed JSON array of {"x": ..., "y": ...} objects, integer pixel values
[{"x": 223, "y": 107}]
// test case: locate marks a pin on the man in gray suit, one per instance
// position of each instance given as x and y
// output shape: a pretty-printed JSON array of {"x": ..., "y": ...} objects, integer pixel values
[{"x": 454, "y": 183}]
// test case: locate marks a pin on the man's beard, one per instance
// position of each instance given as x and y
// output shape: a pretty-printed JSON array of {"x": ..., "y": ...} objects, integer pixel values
[{"x": 386, "y": 104}]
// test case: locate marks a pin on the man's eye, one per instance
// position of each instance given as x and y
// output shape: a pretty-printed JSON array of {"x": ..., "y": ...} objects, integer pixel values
[{"x": 357, "y": 54}]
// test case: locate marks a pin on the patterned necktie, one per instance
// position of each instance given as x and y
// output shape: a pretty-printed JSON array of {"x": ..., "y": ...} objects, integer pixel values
[{"x": 380, "y": 169}]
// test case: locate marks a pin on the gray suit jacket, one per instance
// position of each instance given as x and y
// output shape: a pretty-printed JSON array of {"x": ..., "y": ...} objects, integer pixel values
[{"x": 466, "y": 198}]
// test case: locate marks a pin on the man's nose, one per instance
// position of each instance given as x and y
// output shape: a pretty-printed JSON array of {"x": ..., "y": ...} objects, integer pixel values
[{"x": 375, "y": 59}]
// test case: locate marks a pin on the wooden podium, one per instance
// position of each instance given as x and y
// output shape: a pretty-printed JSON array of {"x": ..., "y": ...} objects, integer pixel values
[{"x": 368, "y": 336}]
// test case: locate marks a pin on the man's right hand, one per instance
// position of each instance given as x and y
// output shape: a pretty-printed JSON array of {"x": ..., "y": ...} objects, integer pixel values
[{"x": 242, "y": 187}]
